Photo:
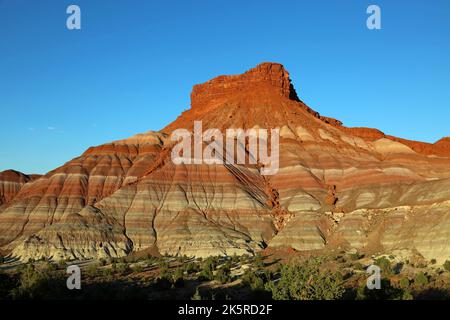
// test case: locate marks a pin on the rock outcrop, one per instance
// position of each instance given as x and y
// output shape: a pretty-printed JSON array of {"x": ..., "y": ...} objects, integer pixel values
[
  {"x": 11, "y": 182},
  {"x": 336, "y": 186}
]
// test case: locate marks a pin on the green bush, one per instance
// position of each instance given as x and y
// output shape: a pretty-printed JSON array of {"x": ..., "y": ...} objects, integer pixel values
[
  {"x": 385, "y": 266},
  {"x": 213, "y": 262},
  {"x": 38, "y": 284},
  {"x": 223, "y": 275},
  {"x": 244, "y": 259},
  {"x": 192, "y": 267},
  {"x": 235, "y": 258},
  {"x": 62, "y": 264},
  {"x": 164, "y": 271},
  {"x": 163, "y": 265},
  {"x": 208, "y": 268},
  {"x": 258, "y": 261},
  {"x": 305, "y": 281},
  {"x": 178, "y": 278},
  {"x": 407, "y": 295},
  {"x": 386, "y": 292},
  {"x": 92, "y": 269},
  {"x": 404, "y": 283},
  {"x": 123, "y": 268},
  {"x": 183, "y": 258},
  {"x": 358, "y": 266},
  {"x": 137, "y": 268},
  {"x": 197, "y": 295},
  {"x": 256, "y": 280},
  {"x": 356, "y": 256},
  {"x": 421, "y": 279},
  {"x": 447, "y": 265},
  {"x": 206, "y": 274},
  {"x": 107, "y": 272}
]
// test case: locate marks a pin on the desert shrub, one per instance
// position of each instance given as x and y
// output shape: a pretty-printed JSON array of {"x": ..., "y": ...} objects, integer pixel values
[
  {"x": 183, "y": 258},
  {"x": 407, "y": 295},
  {"x": 137, "y": 268},
  {"x": 62, "y": 264},
  {"x": 206, "y": 294},
  {"x": 433, "y": 261},
  {"x": 50, "y": 267},
  {"x": 385, "y": 266},
  {"x": 213, "y": 261},
  {"x": 192, "y": 267},
  {"x": 256, "y": 280},
  {"x": 165, "y": 279},
  {"x": 447, "y": 265},
  {"x": 206, "y": 274},
  {"x": 197, "y": 295},
  {"x": 404, "y": 283},
  {"x": 123, "y": 260},
  {"x": 164, "y": 270},
  {"x": 163, "y": 265},
  {"x": 92, "y": 269},
  {"x": 421, "y": 279},
  {"x": 123, "y": 268},
  {"x": 358, "y": 266},
  {"x": 38, "y": 284},
  {"x": 356, "y": 256},
  {"x": 178, "y": 278},
  {"x": 258, "y": 261},
  {"x": 243, "y": 259},
  {"x": 103, "y": 262},
  {"x": 208, "y": 267},
  {"x": 228, "y": 264},
  {"x": 235, "y": 258},
  {"x": 305, "y": 281},
  {"x": 386, "y": 292},
  {"x": 107, "y": 272},
  {"x": 223, "y": 275}
]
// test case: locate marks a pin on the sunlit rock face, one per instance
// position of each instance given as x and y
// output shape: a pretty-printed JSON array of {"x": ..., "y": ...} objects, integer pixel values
[
  {"x": 335, "y": 187},
  {"x": 11, "y": 182}
]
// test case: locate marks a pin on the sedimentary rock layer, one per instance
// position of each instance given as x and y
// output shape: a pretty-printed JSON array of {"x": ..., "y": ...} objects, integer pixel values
[
  {"x": 11, "y": 182},
  {"x": 336, "y": 186}
]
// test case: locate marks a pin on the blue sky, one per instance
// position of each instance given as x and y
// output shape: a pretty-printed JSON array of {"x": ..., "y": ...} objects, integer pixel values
[{"x": 132, "y": 66}]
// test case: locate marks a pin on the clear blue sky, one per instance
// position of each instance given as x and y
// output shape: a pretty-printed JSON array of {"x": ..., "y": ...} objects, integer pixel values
[{"x": 132, "y": 66}]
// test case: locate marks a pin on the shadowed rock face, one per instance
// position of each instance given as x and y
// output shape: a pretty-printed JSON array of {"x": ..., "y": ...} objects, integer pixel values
[{"x": 336, "y": 186}]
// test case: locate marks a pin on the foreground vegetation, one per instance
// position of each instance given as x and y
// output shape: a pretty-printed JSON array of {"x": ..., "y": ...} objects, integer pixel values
[{"x": 338, "y": 276}]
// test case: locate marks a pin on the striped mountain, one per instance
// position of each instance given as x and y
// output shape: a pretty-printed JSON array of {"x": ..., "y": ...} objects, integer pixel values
[{"x": 353, "y": 188}]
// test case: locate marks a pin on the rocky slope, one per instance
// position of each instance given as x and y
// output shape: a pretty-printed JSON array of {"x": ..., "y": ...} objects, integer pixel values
[
  {"x": 11, "y": 182},
  {"x": 336, "y": 186}
]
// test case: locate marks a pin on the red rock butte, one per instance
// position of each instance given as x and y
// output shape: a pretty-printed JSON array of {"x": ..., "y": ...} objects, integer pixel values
[
  {"x": 337, "y": 187},
  {"x": 267, "y": 80}
]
